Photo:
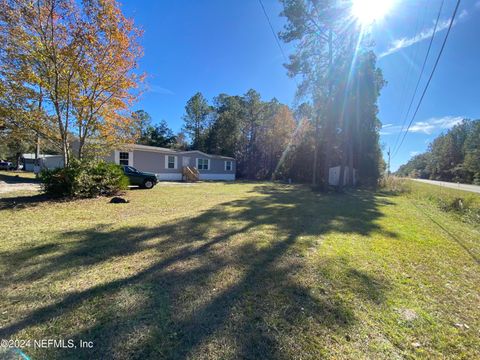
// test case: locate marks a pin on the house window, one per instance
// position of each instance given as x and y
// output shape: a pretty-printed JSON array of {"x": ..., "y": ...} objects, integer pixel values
[
  {"x": 123, "y": 158},
  {"x": 203, "y": 164},
  {"x": 228, "y": 166},
  {"x": 171, "y": 162}
]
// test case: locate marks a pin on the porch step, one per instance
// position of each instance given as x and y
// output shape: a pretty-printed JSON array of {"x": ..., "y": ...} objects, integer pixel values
[{"x": 190, "y": 174}]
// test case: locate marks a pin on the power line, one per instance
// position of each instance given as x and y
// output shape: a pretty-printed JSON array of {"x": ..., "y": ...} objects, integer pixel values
[
  {"x": 431, "y": 75},
  {"x": 421, "y": 74},
  {"x": 273, "y": 31},
  {"x": 277, "y": 40},
  {"x": 406, "y": 84}
]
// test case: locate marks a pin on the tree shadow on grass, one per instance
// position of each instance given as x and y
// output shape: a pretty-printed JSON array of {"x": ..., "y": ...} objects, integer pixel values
[
  {"x": 22, "y": 202},
  {"x": 224, "y": 284},
  {"x": 17, "y": 179}
]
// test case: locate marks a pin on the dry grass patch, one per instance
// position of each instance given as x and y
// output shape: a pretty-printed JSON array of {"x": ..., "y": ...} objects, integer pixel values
[{"x": 242, "y": 270}]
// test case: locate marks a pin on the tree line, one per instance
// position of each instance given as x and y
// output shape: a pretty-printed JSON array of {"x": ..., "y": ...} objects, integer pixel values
[
  {"x": 253, "y": 131},
  {"x": 336, "y": 123},
  {"x": 453, "y": 156},
  {"x": 268, "y": 139},
  {"x": 337, "y": 73}
]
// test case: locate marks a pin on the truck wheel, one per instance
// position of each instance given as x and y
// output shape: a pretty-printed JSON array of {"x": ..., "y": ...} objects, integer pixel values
[{"x": 148, "y": 184}]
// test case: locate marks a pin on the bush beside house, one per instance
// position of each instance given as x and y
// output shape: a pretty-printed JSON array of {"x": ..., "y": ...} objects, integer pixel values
[{"x": 84, "y": 179}]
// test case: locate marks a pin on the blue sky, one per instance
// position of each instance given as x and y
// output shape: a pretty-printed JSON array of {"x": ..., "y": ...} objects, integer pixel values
[{"x": 220, "y": 46}]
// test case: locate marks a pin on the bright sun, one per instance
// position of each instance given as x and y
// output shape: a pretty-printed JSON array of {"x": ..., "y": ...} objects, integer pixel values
[{"x": 369, "y": 11}]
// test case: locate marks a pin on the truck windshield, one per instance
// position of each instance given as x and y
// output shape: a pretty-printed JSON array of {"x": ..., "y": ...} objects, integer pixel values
[{"x": 129, "y": 169}]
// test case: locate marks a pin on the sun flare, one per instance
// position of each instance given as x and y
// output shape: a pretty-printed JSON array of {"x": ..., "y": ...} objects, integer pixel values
[{"x": 370, "y": 11}]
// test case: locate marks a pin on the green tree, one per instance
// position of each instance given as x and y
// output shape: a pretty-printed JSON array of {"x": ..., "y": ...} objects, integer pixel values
[
  {"x": 13, "y": 144},
  {"x": 254, "y": 115},
  {"x": 224, "y": 134},
  {"x": 255, "y": 132},
  {"x": 321, "y": 32},
  {"x": 153, "y": 135},
  {"x": 447, "y": 156},
  {"x": 452, "y": 156},
  {"x": 416, "y": 167},
  {"x": 143, "y": 121},
  {"x": 159, "y": 135},
  {"x": 195, "y": 120},
  {"x": 472, "y": 152},
  {"x": 361, "y": 121},
  {"x": 339, "y": 77},
  {"x": 181, "y": 142}
]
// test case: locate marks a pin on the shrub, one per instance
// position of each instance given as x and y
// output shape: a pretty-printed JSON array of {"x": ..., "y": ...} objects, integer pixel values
[
  {"x": 394, "y": 184},
  {"x": 84, "y": 179},
  {"x": 461, "y": 203},
  {"x": 476, "y": 179}
]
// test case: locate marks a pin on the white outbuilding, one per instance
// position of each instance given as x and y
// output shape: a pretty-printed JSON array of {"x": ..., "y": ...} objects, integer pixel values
[{"x": 334, "y": 176}]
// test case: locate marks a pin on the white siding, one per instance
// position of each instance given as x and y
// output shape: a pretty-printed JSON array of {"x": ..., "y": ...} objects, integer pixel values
[
  {"x": 169, "y": 177},
  {"x": 226, "y": 177}
]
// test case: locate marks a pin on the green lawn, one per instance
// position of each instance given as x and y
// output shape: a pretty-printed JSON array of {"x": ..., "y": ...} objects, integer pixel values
[{"x": 244, "y": 270}]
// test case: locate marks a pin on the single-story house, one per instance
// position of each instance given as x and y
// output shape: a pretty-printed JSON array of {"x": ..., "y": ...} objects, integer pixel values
[
  {"x": 44, "y": 161},
  {"x": 168, "y": 164}
]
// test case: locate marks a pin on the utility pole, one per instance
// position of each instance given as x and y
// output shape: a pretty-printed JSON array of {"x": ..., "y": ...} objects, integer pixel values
[{"x": 388, "y": 170}]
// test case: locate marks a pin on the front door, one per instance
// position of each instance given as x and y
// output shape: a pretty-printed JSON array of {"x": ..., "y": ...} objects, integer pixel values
[{"x": 186, "y": 161}]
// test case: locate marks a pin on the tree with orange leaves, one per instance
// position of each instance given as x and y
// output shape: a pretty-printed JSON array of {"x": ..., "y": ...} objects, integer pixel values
[
  {"x": 80, "y": 60},
  {"x": 274, "y": 138}
]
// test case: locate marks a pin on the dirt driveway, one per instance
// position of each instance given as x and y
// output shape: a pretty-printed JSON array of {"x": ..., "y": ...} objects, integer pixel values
[
  {"x": 24, "y": 186},
  {"x": 13, "y": 181}
]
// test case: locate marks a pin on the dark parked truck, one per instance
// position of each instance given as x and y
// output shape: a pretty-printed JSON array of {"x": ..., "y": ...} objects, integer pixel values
[
  {"x": 6, "y": 165},
  {"x": 143, "y": 179}
]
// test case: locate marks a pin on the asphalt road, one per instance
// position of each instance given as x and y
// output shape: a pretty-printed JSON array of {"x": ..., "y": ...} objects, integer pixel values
[{"x": 465, "y": 187}]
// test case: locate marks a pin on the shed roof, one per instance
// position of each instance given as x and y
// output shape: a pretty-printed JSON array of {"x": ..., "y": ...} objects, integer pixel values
[{"x": 31, "y": 156}]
